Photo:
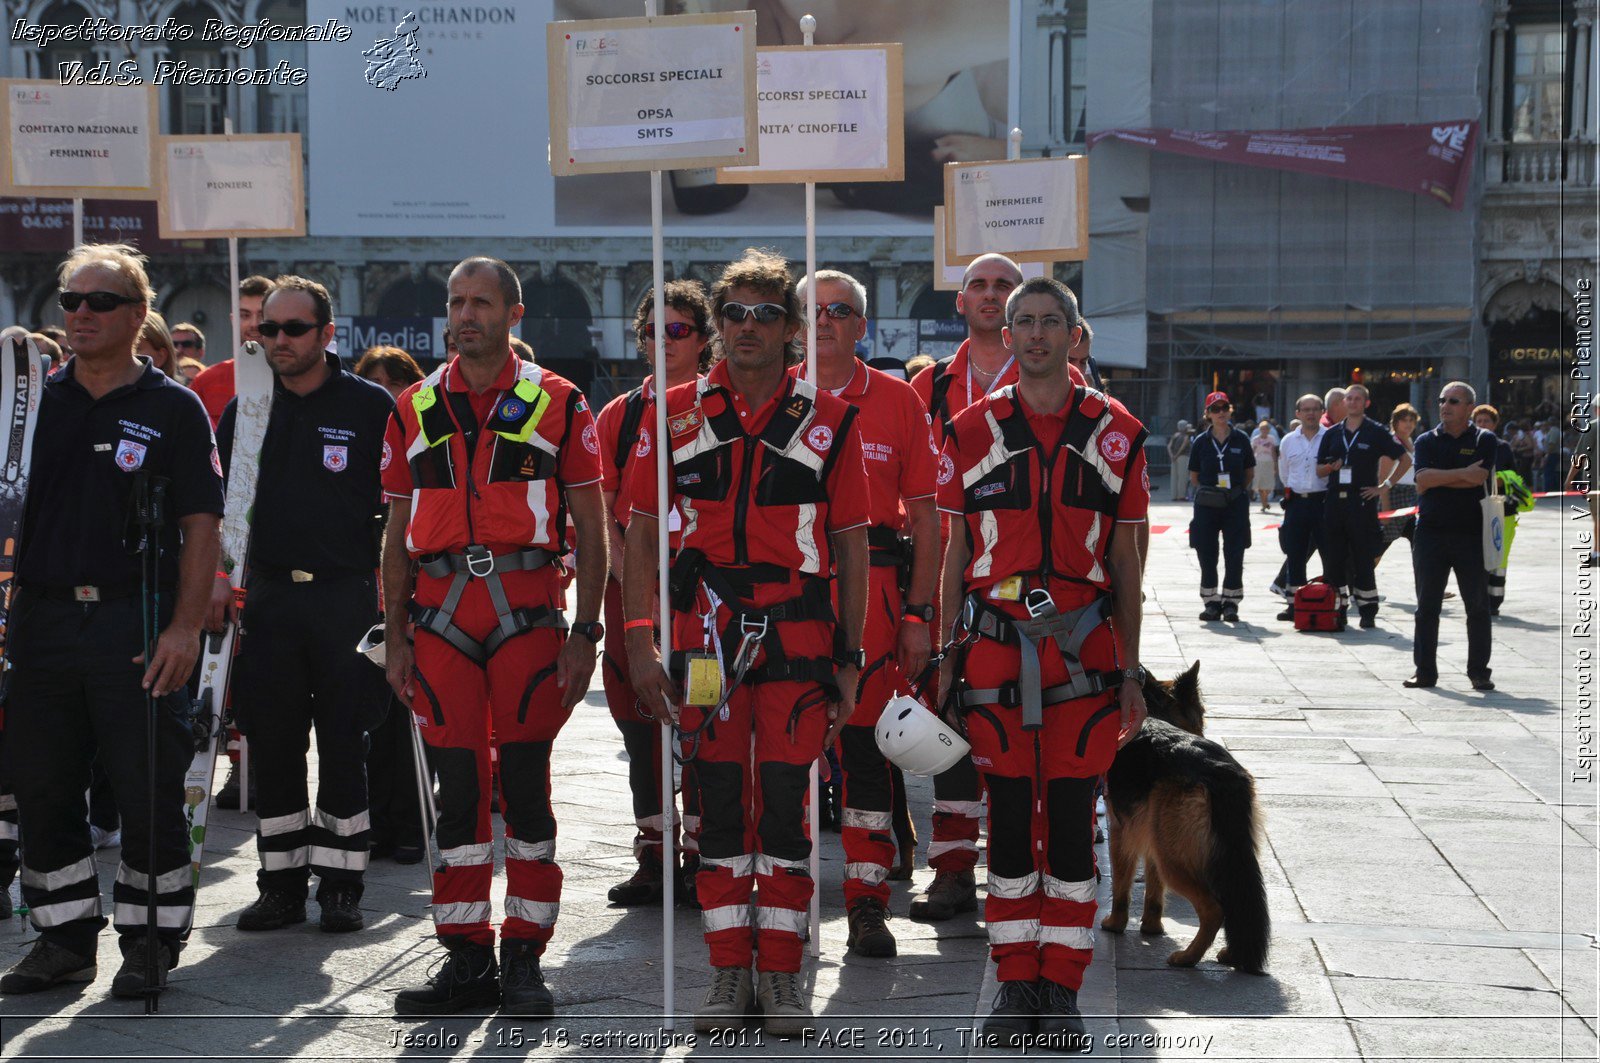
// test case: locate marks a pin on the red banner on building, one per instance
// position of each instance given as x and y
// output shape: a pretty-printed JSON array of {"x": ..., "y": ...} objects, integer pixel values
[
  {"x": 30, "y": 224},
  {"x": 1428, "y": 160}
]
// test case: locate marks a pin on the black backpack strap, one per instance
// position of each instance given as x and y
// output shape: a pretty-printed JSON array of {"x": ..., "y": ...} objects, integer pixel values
[
  {"x": 942, "y": 379},
  {"x": 632, "y": 415}
]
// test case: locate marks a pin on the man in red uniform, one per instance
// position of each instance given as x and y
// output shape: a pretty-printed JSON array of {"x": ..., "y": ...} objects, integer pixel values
[
  {"x": 897, "y": 442},
  {"x": 1047, "y": 477},
  {"x": 766, "y": 679},
  {"x": 483, "y": 461},
  {"x": 980, "y": 365},
  {"x": 626, "y": 422}
]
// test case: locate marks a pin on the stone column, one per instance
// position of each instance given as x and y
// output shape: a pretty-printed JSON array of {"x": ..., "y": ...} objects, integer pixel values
[
  {"x": 1581, "y": 74},
  {"x": 349, "y": 289},
  {"x": 885, "y": 290},
  {"x": 614, "y": 316}
]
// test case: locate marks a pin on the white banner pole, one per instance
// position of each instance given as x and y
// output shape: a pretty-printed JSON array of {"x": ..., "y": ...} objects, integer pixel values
[
  {"x": 233, "y": 320},
  {"x": 77, "y": 223},
  {"x": 669, "y": 853},
  {"x": 808, "y": 27}
]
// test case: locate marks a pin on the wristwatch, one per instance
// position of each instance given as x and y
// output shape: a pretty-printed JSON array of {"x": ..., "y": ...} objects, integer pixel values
[
  {"x": 594, "y": 631},
  {"x": 856, "y": 659},
  {"x": 1136, "y": 674},
  {"x": 923, "y": 613}
]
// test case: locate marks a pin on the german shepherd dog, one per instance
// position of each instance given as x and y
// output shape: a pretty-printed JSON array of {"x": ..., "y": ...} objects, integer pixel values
[{"x": 1188, "y": 808}]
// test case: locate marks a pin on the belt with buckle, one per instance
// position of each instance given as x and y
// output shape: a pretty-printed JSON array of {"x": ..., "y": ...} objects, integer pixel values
[{"x": 85, "y": 593}]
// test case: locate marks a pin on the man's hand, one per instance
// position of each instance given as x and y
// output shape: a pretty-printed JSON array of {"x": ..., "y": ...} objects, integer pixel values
[
  {"x": 1130, "y": 699},
  {"x": 574, "y": 668},
  {"x": 1369, "y": 493},
  {"x": 399, "y": 665},
  {"x": 176, "y": 651},
  {"x": 914, "y": 647},
  {"x": 220, "y": 611},
  {"x": 839, "y": 712},
  {"x": 654, "y": 687}
]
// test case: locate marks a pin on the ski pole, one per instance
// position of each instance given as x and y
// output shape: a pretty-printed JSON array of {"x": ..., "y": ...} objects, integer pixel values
[{"x": 425, "y": 805}]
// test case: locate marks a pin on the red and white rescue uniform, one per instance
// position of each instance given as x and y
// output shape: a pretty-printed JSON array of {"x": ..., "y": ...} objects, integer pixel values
[
  {"x": 491, "y": 663},
  {"x": 759, "y": 491},
  {"x": 1041, "y": 496}
]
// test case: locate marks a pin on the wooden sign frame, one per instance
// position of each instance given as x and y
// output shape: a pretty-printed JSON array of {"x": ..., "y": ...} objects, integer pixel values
[
  {"x": 894, "y": 74},
  {"x": 1057, "y": 254},
  {"x": 562, "y": 162},
  {"x": 1048, "y": 269},
  {"x": 152, "y": 113},
  {"x": 166, "y": 231}
]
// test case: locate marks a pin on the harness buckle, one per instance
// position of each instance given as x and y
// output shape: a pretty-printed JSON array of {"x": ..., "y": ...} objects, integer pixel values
[
  {"x": 750, "y": 628},
  {"x": 1039, "y": 603},
  {"x": 480, "y": 562}
]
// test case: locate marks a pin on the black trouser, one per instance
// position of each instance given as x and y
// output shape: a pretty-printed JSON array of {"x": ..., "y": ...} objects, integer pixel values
[
  {"x": 1434, "y": 553},
  {"x": 392, "y": 780},
  {"x": 1350, "y": 541},
  {"x": 1232, "y": 524},
  {"x": 76, "y": 696},
  {"x": 298, "y": 668},
  {"x": 1299, "y": 536}
]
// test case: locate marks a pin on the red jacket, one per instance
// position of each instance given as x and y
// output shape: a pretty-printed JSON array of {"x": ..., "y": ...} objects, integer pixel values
[
  {"x": 535, "y": 437},
  {"x": 759, "y": 486}
]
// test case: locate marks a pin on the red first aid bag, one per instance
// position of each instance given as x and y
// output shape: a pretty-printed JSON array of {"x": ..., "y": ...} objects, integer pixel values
[{"x": 1316, "y": 607}]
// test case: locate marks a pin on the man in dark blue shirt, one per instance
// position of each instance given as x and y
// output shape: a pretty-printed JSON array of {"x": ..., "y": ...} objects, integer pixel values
[
  {"x": 1358, "y": 456},
  {"x": 1454, "y": 460},
  {"x": 109, "y": 423},
  {"x": 312, "y": 593}
]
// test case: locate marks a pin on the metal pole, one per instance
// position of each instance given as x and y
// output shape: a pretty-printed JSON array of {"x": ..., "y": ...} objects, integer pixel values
[
  {"x": 233, "y": 320},
  {"x": 669, "y": 849},
  {"x": 425, "y": 805},
  {"x": 77, "y": 223},
  {"x": 808, "y": 27}
]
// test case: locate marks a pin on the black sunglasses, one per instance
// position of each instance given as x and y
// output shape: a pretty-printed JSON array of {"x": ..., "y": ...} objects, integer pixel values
[
  {"x": 295, "y": 329},
  {"x": 764, "y": 313},
  {"x": 676, "y": 330},
  {"x": 184, "y": 345},
  {"x": 1451, "y": 401},
  {"x": 99, "y": 302},
  {"x": 836, "y": 310}
]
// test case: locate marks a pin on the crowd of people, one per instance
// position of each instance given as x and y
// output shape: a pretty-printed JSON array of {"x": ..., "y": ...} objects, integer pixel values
[{"x": 827, "y": 531}]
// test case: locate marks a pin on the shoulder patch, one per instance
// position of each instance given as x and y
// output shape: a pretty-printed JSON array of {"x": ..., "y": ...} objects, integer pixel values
[
  {"x": 642, "y": 448},
  {"x": 387, "y": 456},
  {"x": 947, "y": 469},
  {"x": 1114, "y": 445},
  {"x": 216, "y": 460},
  {"x": 820, "y": 438},
  {"x": 591, "y": 439}
]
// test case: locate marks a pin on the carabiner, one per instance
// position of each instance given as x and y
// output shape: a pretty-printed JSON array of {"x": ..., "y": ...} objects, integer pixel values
[{"x": 478, "y": 556}]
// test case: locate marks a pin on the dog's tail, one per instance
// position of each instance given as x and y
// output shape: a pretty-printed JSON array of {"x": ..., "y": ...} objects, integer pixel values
[{"x": 1234, "y": 870}]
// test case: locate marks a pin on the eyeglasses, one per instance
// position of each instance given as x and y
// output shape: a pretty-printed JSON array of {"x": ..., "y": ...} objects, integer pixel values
[
  {"x": 294, "y": 329},
  {"x": 1218, "y": 409},
  {"x": 184, "y": 345},
  {"x": 764, "y": 313},
  {"x": 1309, "y": 409},
  {"x": 676, "y": 330},
  {"x": 1050, "y": 322},
  {"x": 836, "y": 310},
  {"x": 1451, "y": 401},
  {"x": 99, "y": 302}
]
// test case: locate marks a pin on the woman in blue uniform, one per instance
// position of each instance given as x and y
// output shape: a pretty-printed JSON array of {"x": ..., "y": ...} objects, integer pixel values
[{"x": 1221, "y": 468}]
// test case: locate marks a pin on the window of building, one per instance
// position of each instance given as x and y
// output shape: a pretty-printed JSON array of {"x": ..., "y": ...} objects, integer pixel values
[
  {"x": 282, "y": 108},
  {"x": 63, "y": 53},
  {"x": 1538, "y": 82},
  {"x": 197, "y": 109}
]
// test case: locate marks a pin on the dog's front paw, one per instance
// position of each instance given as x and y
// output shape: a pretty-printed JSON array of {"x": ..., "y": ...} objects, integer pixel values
[
  {"x": 1152, "y": 928},
  {"x": 1222, "y": 956},
  {"x": 1116, "y": 922},
  {"x": 1183, "y": 958}
]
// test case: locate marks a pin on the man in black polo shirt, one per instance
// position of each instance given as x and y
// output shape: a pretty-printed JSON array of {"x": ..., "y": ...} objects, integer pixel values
[
  {"x": 311, "y": 595},
  {"x": 1358, "y": 457},
  {"x": 1454, "y": 460},
  {"x": 108, "y": 421}
]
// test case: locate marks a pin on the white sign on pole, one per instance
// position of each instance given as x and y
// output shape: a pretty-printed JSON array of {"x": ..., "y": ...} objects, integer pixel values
[
  {"x": 1032, "y": 210},
  {"x": 828, "y": 114},
  {"x": 73, "y": 141},
  {"x": 947, "y": 275},
  {"x": 652, "y": 93},
  {"x": 232, "y": 186}
]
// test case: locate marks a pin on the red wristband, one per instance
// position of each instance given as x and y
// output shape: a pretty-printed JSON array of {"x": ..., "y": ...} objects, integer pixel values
[
  {"x": 913, "y": 619},
  {"x": 630, "y": 625}
]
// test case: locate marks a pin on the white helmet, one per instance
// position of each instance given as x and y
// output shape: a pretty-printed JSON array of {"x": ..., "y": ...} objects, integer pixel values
[
  {"x": 917, "y": 740},
  {"x": 372, "y": 646}
]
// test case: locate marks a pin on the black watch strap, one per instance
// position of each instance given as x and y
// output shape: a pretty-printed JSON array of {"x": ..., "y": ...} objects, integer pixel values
[
  {"x": 593, "y": 630},
  {"x": 923, "y": 613}
]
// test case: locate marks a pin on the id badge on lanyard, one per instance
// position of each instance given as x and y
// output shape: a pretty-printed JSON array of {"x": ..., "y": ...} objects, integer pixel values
[
  {"x": 1224, "y": 479},
  {"x": 1347, "y": 474}
]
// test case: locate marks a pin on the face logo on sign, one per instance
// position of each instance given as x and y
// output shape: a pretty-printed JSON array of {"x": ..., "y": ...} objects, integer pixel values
[
  {"x": 335, "y": 459},
  {"x": 820, "y": 438},
  {"x": 1114, "y": 445},
  {"x": 130, "y": 455},
  {"x": 216, "y": 461},
  {"x": 591, "y": 439},
  {"x": 388, "y": 456},
  {"x": 947, "y": 469},
  {"x": 642, "y": 450}
]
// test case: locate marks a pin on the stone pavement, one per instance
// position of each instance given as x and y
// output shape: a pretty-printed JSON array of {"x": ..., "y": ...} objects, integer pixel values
[{"x": 1431, "y": 871}]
